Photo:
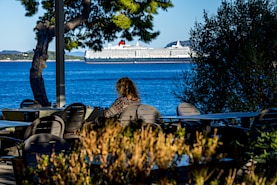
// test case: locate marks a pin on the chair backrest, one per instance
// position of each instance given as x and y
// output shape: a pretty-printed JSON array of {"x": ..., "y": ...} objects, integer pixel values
[
  {"x": 49, "y": 124},
  {"x": 148, "y": 113},
  {"x": 129, "y": 115},
  {"x": 186, "y": 109},
  {"x": 96, "y": 113},
  {"x": 42, "y": 144},
  {"x": 266, "y": 120},
  {"x": 74, "y": 117},
  {"x": 144, "y": 113},
  {"x": 28, "y": 103}
]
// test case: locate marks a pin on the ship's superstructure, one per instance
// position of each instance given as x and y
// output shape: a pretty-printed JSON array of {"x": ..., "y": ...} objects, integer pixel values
[{"x": 123, "y": 53}]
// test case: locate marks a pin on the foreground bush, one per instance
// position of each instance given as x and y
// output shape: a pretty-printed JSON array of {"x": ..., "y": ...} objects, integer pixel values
[{"x": 116, "y": 155}]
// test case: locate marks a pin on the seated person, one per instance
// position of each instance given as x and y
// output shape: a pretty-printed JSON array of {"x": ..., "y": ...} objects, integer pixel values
[{"x": 127, "y": 95}]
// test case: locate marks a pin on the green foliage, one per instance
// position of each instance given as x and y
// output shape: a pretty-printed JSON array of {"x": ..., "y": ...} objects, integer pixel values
[
  {"x": 264, "y": 151},
  {"x": 30, "y": 6},
  {"x": 122, "y": 21},
  {"x": 101, "y": 21},
  {"x": 234, "y": 55}
]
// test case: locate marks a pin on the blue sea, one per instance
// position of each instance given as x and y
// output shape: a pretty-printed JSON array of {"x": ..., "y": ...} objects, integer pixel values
[{"x": 94, "y": 85}]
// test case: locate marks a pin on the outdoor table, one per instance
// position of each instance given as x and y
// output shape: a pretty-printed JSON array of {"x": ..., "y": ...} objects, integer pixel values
[
  {"x": 184, "y": 161},
  {"x": 13, "y": 128},
  {"x": 27, "y": 114},
  {"x": 244, "y": 117},
  {"x": 30, "y": 114},
  {"x": 9, "y": 124}
]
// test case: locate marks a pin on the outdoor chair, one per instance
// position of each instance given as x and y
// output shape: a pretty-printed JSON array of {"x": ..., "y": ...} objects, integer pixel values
[
  {"x": 28, "y": 103},
  {"x": 36, "y": 146},
  {"x": 148, "y": 113},
  {"x": 266, "y": 121},
  {"x": 191, "y": 125},
  {"x": 140, "y": 114},
  {"x": 247, "y": 133},
  {"x": 11, "y": 147},
  {"x": 185, "y": 109},
  {"x": 49, "y": 124},
  {"x": 74, "y": 119},
  {"x": 129, "y": 115},
  {"x": 96, "y": 118}
]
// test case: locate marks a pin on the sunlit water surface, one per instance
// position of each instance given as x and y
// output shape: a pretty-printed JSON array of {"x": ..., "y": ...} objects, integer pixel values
[{"x": 93, "y": 85}]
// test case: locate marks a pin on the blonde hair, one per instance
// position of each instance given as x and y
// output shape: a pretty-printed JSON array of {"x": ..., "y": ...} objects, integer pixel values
[{"x": 125, "y": 86}]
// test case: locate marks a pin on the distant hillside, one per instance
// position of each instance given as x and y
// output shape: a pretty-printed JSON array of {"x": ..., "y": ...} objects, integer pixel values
[
  {"x": 10, "y": 52},
  {"x": 18, "y": 55}
]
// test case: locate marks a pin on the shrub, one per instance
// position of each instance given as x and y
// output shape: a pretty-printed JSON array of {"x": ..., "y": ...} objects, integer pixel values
[{"x": 117, "y": 155}]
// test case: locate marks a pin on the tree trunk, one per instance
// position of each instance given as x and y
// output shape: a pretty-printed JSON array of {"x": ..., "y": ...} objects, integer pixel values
[{"x": 45, "y": 34}]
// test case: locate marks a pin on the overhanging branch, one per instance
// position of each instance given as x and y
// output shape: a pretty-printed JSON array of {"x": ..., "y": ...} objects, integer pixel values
[{"x": 72, "y": 24}]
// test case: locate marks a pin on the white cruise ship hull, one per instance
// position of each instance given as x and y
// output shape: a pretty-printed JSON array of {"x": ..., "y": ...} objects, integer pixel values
[
  {"x": 137, "y": 60},
  {"x": 138, "y": 55}
]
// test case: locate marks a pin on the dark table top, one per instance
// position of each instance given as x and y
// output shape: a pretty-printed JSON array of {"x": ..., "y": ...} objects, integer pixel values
[
  {"x": 31, "y": 109},
  {"x": 8, "y": 123},
  {"x": 215, "y": 116}
]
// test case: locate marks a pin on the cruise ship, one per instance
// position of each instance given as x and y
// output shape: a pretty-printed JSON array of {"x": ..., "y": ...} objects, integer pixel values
[{"x": 175, "y": 52}]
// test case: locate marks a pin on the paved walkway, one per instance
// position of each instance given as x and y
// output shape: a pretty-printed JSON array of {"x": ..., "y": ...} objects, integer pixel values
[{"x": 6, "y": 174}]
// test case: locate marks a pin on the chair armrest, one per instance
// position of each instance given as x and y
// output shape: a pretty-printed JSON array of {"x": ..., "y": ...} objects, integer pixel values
[
  {"x": 15, "y": 140},
  {"x": 12, "y": 142}
]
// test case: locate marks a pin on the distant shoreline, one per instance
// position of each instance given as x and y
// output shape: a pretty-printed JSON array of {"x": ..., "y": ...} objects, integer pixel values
[{"x": 67, "y": 60}]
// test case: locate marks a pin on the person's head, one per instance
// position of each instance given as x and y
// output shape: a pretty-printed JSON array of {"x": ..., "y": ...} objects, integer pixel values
[{"x": 125, "y": 86}]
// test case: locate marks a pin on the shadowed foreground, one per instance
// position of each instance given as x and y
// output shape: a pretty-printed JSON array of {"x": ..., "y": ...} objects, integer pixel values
[{"x": 6, "y": 174}]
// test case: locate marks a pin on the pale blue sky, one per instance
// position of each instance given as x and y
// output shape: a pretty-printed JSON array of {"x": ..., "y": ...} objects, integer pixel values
[{"x": 16, "y": 31}]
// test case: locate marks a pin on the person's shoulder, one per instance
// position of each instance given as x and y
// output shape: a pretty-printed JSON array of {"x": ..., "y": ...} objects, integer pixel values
[
  {"x": 121, "y": 99},
  {"x": 136, "y": 100}
]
